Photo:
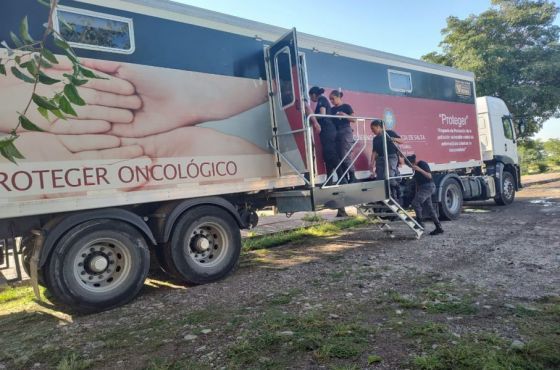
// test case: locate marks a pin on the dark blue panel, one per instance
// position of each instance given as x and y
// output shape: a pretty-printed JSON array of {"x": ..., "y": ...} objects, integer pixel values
[{"x": 357, "y": 75}]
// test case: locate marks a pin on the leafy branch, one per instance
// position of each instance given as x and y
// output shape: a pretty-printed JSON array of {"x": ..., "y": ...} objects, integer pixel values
[{"x": 27, "y": 60}]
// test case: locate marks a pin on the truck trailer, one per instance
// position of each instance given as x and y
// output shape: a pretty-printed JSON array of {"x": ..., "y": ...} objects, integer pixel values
[{"x": 198, "y": 123}]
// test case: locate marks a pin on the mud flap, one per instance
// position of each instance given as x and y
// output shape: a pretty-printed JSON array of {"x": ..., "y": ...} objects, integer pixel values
[{"x": 34, "y": 262}]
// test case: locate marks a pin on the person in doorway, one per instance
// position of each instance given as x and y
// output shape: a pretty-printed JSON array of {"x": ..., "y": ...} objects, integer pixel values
[
  {"x": 328, "y": 130},
  {"x": 344, "y": 136},
  {"x": 425, "y": 187},
  {"x": 378, "y": 155}
]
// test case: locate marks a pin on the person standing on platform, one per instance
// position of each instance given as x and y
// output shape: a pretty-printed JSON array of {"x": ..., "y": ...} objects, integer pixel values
[
  {"x": 344, "y": 136},
  {"x": 328, "y": 130}
]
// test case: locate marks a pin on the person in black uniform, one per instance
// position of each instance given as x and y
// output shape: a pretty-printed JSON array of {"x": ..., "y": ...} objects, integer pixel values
[
  {"x": 425, "y": 187},
  {"x": 378, "y": 155},
  {"x": 344, "y": 136},
  {"x": 328, "y": 130}
]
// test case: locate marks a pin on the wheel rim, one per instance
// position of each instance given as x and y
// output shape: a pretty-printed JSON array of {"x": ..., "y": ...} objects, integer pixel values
[
  {"x": 102, "y": 265},
  {"x": 206, "y": 245},
  {"x": 508, "y": 188},
  {"x": 452, "y": 199}
]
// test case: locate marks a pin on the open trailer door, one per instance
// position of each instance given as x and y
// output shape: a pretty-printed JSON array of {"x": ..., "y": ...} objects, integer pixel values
[{"x": 292, "y": 142}]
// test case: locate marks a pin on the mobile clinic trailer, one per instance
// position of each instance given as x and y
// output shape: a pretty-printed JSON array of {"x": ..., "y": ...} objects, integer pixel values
[{"x": 199, "y": 123}]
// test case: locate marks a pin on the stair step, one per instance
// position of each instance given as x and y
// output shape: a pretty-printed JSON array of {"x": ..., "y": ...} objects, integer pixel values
[{"x": 390, "y": 208}]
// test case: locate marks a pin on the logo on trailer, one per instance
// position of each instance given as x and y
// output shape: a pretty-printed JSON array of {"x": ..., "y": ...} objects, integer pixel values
[{"x": 389, "y": 119}]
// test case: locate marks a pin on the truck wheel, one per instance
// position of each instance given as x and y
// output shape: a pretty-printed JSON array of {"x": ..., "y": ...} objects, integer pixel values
[
  {"x": 452, "y": 200},
  {"x": 97, "y": 265},
  {"x": 205, "y": 245},
  {"x": 507, "y": 195}
]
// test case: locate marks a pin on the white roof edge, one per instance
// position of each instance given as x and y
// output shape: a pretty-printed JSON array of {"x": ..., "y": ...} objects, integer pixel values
[{"x": 263, "y": 30}]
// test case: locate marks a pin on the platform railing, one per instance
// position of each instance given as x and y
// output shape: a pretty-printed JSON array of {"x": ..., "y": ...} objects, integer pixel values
[
  {"x": 361, "y": 125},
  {"x": 361, "y": 133}
]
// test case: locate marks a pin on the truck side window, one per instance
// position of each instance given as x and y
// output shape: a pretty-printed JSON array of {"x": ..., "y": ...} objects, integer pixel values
[
  {"x": 400, "y": 81},
  {"x": 95, "y": 31},
  {"x": 508, "y": 130},
  {"x": 284, "y": 77}
]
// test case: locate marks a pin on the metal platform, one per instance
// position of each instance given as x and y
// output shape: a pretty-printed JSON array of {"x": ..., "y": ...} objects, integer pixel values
[{"x": 330, "y": 197}]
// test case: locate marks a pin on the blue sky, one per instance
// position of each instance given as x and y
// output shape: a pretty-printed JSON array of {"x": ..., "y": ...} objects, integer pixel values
[{"x": 405, "y": 27}]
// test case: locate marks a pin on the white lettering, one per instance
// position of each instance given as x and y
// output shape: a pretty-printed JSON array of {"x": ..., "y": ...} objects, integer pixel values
[{"x": 453, "y": 120}]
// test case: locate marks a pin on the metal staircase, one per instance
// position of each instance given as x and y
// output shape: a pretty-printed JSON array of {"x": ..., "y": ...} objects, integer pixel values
[{"x": 391, "y": 218}]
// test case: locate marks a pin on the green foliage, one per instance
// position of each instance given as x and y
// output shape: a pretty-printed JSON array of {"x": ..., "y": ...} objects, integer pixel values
[
  {"x": 513, "y": 50},
  {"x": 27, "y": 59},
  {"x": 538, "y": 156},
  {"x": 552, "y": 150}
]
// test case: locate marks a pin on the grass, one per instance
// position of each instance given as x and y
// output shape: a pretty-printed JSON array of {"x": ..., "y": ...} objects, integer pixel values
[
  {"x": 404, "y": 301},
  {"x": 284, "y": 298},
  {"x": 73, "y": 362},
  {"x": 324, "y": 229},
  {"x": 436, "y": 298},
  {"x": 540, "y": 330},
  {"x": 17, "y": 298},
  {"x": 429, "y": 329},
  {"x": 374, "y": 359},
  {"x": 489, "y": 352},
  {"x": 312, "y": 217},
  {"x": 311, "y": 333},
  {"x": 164, "y": 364},
  {"x": 199, "y": 317}
]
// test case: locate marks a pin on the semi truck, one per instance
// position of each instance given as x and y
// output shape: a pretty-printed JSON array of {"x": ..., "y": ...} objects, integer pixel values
[{"x": 199, "y": 121}]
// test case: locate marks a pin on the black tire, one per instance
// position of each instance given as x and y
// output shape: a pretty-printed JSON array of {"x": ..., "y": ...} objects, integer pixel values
[
  {"x": 97, "y": 265},
  {"x": 165, "y": 261},
  {"x": 451, "y": 202},
  {"x": 204, "y": 247},
  {"x": 507, "y": 193}
]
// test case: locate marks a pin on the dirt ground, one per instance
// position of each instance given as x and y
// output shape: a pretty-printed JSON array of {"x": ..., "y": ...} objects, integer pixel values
[{"x": 484, "y": 294}]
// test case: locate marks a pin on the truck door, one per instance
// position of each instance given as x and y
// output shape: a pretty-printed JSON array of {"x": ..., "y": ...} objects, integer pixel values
[
  {"x": 510, "y": 147},
  {"x": 286, "y": 80},
  {"x": 504, "y": 141}
]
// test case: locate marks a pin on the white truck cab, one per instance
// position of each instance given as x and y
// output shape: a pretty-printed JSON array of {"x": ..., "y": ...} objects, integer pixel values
[
  {"x": 498, "y": 145},
  {"x": 496, "y": 130}
]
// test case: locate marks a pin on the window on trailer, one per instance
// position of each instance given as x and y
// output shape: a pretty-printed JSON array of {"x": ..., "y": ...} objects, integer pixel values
[
  {"x": 95, "y": 31},
  {"x": 400, "y": 81},
  {"x": 284, "y": 77}
]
